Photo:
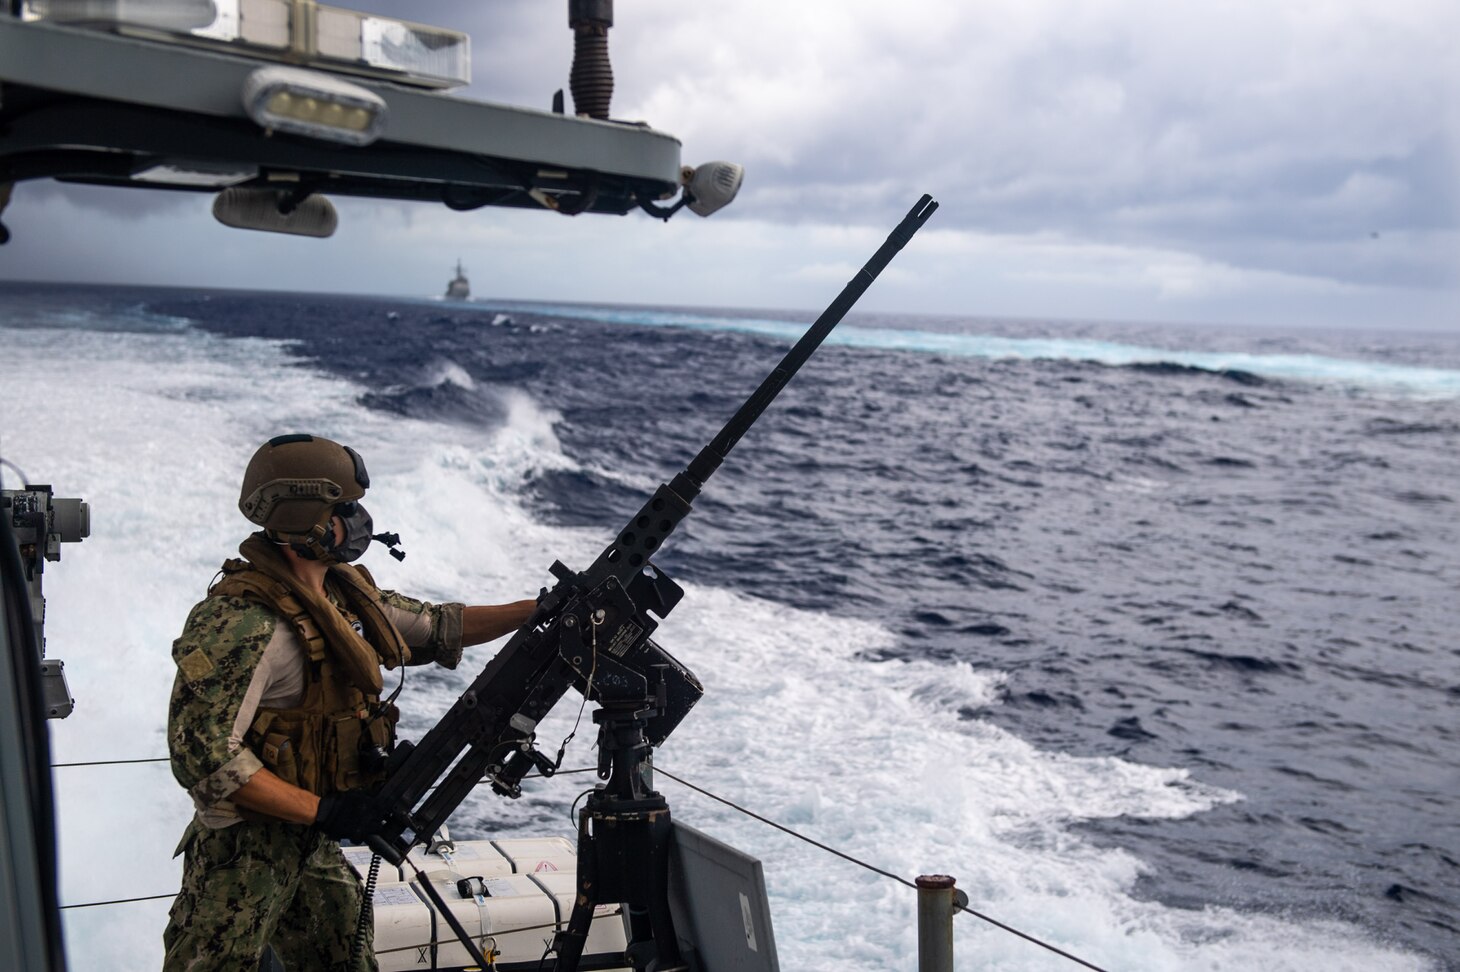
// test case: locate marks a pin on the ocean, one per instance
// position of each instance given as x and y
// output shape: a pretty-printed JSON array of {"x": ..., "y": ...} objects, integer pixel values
[{"x": 1144, "y": 633}]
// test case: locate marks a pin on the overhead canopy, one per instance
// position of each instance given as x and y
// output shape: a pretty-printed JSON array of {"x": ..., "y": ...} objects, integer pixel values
[{"x": 103, "y": 108}]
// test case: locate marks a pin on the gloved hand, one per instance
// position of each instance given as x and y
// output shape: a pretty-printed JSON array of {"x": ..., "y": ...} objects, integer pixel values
[{"x": 352, "y": 815}]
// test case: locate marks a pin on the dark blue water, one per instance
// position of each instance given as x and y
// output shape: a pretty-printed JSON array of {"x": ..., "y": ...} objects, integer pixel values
[{"x": 1238, "y": 570}]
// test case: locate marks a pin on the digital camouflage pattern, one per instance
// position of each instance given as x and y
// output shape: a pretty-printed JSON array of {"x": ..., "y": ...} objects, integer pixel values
[
  {"x": 259, "y": 883},
  {"x": 220, "y": 647},
  {"x": 443, "y": 643}
]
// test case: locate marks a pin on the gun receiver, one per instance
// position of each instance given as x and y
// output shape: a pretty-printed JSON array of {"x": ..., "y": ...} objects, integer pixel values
[{"x": 591, "y": 631}]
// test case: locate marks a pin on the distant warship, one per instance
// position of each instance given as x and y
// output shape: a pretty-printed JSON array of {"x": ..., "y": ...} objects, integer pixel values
[{"x": 460, "y": 287}]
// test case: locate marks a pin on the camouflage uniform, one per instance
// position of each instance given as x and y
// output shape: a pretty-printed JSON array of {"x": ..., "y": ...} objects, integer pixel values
[
  {"x": 259, "y": 883},
  {"x": 251, "y": 882}
]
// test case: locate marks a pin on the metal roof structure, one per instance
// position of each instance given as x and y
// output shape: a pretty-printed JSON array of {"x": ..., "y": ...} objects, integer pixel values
[{"x": 109, "y": 108}]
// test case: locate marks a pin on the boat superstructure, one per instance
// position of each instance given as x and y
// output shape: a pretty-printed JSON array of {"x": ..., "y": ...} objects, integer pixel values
[{"x": 276, "y": 105}]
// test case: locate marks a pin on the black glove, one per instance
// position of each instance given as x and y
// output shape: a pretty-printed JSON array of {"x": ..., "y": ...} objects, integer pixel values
[{"x": 352, "y": 815}]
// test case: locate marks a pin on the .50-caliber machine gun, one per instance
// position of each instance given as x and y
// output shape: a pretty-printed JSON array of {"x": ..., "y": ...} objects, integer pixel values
[{"x": 592, "y": 631}]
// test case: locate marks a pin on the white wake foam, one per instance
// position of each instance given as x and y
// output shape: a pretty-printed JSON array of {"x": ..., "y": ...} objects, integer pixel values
[
  {"x": 154, "y": 429},
  {"x": 1375, "y": 376}
]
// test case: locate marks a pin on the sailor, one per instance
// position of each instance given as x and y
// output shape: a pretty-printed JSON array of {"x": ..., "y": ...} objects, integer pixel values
[{"x": 276, "y": 726}]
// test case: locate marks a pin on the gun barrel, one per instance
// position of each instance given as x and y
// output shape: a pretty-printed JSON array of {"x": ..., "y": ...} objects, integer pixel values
[{"x": 688, "y": 483}]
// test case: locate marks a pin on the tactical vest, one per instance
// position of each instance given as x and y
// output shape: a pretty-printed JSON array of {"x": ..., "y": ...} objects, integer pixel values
[{"x": 318, "y": 744}]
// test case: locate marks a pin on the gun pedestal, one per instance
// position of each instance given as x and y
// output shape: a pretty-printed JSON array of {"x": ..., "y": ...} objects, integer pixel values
[{"x": 623, "y": 847}]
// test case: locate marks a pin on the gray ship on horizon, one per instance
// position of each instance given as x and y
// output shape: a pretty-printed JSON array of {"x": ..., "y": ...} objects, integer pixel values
[{"x": 459, "y": 288}]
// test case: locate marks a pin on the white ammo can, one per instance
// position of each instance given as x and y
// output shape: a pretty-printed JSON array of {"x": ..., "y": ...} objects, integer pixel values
[
  {"x": 606, "y": 934},
  {"x": 533, "y": 855},
  {"x": 469, "y": 858}
]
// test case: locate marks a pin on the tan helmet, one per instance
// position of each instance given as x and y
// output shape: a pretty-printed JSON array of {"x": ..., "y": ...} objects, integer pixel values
[{"x": 293, "y": 482}]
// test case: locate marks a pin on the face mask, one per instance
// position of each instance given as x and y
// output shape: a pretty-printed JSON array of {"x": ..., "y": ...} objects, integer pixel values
[{"x": 357, "y": 533}]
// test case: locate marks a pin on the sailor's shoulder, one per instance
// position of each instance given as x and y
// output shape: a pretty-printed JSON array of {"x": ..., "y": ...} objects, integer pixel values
[
  {"x": 224, "y": 631},
  {"x": 232, "y": 612}
]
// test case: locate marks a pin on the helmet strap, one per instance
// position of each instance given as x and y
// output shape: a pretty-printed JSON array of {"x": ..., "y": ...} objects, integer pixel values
[{"x": 311, "y": 545}]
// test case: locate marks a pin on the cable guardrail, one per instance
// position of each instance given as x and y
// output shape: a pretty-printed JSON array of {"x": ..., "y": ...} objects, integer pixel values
[
  {"x": 660, "y": 770},
  {"x": 117, "y": 901}
]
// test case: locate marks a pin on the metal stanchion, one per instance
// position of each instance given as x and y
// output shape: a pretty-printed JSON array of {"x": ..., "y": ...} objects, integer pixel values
[{"x": 935, "y": 923}]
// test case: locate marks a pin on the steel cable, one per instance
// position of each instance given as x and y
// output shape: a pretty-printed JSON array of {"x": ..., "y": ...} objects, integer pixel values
[
  {"x": 876, "y": 870},
  {"x": 98, "y": 904}
]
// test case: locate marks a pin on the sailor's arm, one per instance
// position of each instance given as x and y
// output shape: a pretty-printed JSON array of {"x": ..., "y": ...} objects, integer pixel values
[
  {"x": 228, "y": 657},
  {"x": 218, "y": 658},
  {"x": 488, "y": 622},
  {"x": 438, "y": 632},
  {"x": 267, "y": 794}
]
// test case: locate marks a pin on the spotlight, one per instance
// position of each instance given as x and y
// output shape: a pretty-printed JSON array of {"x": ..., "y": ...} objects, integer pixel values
[
  {"x": 711, "y": 187},
  {"x": 708, "y": 189}
]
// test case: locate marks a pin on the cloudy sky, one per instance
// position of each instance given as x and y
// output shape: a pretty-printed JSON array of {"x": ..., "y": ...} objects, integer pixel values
[{"x": 1252, "y": 161}]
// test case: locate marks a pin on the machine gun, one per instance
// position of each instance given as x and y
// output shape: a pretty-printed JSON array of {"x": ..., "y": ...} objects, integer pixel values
[{"x": 592, "y": 631}]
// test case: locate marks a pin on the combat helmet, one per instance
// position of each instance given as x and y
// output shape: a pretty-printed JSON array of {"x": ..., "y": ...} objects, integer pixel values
[{"x": 293, "y": 484}]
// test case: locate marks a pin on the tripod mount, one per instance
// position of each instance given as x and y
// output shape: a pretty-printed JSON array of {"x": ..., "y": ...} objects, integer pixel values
[{"x": 623, "y": 844}]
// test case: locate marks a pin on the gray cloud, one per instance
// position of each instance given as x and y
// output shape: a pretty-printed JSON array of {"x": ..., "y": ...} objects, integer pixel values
[
  {"x": 1155, "y": 124},
  {"x": 129, "y": 203}
]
